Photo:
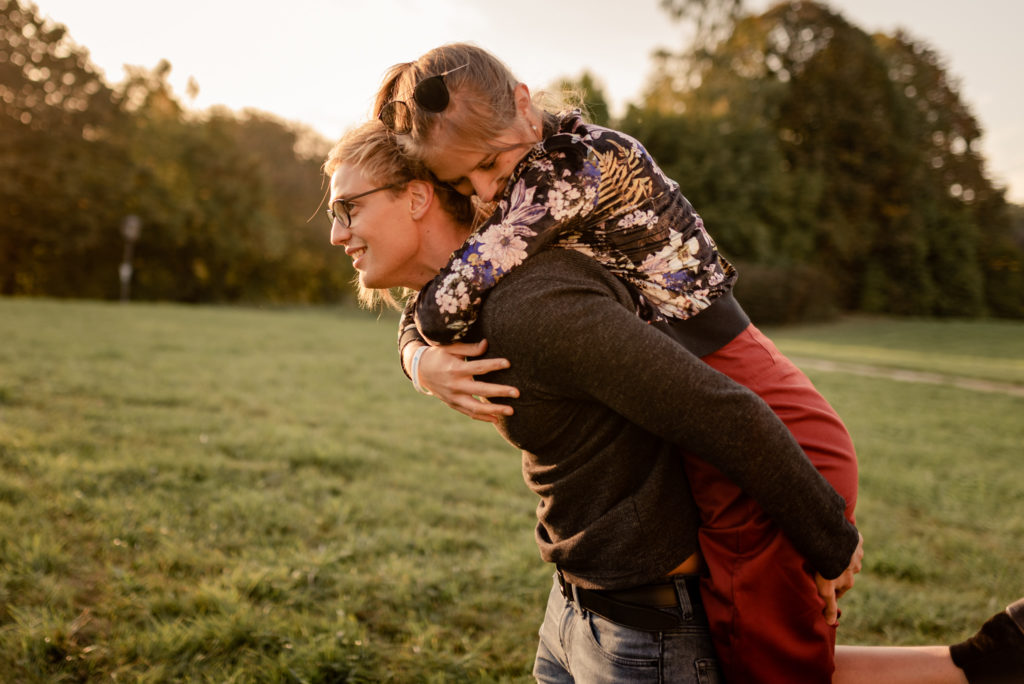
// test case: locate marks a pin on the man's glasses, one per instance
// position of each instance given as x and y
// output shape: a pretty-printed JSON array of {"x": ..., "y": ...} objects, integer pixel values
[
  {"x": 430, "y": 94},
  {"x": 340, "y": 209}
]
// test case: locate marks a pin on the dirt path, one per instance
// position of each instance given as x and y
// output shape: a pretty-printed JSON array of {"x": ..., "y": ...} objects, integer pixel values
[{"x": 900, "y": 375}]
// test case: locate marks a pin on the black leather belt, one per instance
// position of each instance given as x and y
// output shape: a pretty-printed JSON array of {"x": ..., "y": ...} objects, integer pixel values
[{"x": 637, "y": 607}]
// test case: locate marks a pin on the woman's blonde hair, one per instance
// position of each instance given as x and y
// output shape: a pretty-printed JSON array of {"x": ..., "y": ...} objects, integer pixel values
[
  {"x": 482, "y": 104},
  {"x": 372, "y": 148}
]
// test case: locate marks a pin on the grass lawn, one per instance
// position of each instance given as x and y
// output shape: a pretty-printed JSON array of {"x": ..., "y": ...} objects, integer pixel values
[
  {"x": 983, "y": 350},
  {"x": 239, "y": 495}
]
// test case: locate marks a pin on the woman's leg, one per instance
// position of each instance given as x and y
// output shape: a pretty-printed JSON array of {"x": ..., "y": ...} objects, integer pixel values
[
  {"x": 754, "y": 361},
  {"x": 765, "y": 614},
  {"x": 995, "y": 655},
  {"x": 763, "y": 640},
  {"x": 896, "y": 665}
]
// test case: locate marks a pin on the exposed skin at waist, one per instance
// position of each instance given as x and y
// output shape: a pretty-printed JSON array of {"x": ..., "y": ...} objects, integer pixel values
[{"x": 690, "y": 566}]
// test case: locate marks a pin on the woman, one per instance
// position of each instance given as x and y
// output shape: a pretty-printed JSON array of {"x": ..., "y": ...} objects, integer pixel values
[
  {"x": 398, "y": 226},
  {"x": 559, "y": 181}
]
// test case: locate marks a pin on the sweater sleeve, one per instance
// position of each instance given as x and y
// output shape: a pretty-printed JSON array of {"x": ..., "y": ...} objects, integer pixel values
[{"x": 608, "y": 355}]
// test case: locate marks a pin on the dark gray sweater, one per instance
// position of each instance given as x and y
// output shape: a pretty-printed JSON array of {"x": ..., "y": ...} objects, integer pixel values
[{"x": 607, "y": 406}]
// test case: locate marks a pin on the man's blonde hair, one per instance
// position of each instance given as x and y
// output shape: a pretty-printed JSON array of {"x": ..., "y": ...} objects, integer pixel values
[{"x": 372, "y": 148}]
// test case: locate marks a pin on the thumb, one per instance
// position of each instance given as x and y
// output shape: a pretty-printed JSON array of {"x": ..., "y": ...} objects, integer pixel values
[
  {"x": 831, "y": 611},
  {"x": 827, "y": 591}
]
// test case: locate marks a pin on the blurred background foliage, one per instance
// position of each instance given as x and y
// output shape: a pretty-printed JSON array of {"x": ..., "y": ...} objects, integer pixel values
[
  {"x": 839, "y": 170},
  {"x": 224, "y": 199}
]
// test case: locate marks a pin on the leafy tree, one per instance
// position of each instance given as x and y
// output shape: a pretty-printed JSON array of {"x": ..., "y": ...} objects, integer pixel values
[
  {"x": 223, "y": 198},
  {"x": 969, "y": 242},
  {"x": 1002, "y": 254},
  {"x": 841, "y": 118},
  {"x": 588, "y": 93},
  {"x": 227, "y": 200},
  {"x": 808, "y": 144},
  {"x": 299, "y": 263},
  {"x": 713, "y": 21},
  {"x": 58, "y": 156}
]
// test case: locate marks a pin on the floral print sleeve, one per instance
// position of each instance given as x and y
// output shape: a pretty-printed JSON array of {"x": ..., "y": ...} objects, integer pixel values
[{"x": 592, "y": 190}]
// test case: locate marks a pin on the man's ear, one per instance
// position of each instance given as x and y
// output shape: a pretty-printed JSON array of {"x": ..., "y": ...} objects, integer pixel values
[{"x": 421, "y": 196}]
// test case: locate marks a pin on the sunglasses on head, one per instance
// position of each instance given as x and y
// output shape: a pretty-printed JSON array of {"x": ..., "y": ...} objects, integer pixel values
[{"x": 430, "y": 94}]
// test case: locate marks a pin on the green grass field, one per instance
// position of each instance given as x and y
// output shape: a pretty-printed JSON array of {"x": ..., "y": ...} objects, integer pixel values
[{"x": 240, "y": 495}]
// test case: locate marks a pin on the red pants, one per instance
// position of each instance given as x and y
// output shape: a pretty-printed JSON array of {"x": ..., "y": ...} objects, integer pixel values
[{"x": 760, "y": 595}]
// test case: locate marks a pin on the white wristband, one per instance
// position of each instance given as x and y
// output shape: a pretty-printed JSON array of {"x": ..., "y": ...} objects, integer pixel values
[{"x": 414, "y": 372}]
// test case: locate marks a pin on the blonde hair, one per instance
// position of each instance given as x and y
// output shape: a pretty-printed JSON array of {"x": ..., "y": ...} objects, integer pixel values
[
  {"x": 372, "y": 148},
  {"x": 482, "y": 91}
]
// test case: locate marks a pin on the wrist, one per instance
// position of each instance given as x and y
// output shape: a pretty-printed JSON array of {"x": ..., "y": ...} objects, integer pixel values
[
  {"x": 414, "y": 371},
  {"x": 405, "y": 358}
]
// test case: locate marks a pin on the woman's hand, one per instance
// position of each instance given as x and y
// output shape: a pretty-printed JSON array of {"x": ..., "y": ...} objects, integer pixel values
[
  {"x": 832, "y": 590},
  {"x": 449, "y": 375}
]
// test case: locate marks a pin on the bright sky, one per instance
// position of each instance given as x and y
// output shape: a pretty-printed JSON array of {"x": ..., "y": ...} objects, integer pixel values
[{"x": 320, "y": 61}]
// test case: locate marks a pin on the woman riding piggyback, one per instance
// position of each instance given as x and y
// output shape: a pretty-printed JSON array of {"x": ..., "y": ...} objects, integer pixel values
[{"x": 556, "y": 181}]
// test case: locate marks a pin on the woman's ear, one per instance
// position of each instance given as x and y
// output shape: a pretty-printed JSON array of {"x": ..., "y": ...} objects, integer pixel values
[
  {"x": 526, "y": 109},
  {"x": 524, "y": 103},
  {"x": 421, "y": 196}
]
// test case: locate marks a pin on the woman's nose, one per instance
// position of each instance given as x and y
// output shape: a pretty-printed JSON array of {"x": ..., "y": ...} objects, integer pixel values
[{"x": 485, "y": 188}]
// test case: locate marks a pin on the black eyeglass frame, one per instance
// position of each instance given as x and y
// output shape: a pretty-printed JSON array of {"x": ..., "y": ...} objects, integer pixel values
[
  {"x": 431, "y": 95},
  {"x": 344, "y": 217}
]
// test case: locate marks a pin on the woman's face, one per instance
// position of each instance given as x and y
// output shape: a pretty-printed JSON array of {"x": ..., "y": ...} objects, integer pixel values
[
  {"x": 474, "y": 170},
  {"x": 381, "y": 237}
]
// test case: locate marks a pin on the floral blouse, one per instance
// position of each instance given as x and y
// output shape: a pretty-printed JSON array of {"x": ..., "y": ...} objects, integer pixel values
[{"x": 596, "y": 191}]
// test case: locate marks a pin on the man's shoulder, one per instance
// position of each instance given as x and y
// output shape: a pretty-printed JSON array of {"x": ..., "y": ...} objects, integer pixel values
[
  {"x": 550, "y": 286},
  {"x": 543, "y": 313}
]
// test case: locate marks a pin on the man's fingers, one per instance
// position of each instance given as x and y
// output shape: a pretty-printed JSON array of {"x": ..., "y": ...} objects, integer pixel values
[
  {"x": 483, "y": 366},
  {"x": 487, "y": 389},
  {"x": 473, "y": 407},
  {"x": 475, "y": 415}
]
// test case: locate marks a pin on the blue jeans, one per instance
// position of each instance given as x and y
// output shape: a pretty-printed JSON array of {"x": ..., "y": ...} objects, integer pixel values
[{"x": 579, "y": 646}]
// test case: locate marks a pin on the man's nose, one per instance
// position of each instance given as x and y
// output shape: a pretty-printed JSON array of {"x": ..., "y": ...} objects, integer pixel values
[{"x": 339, "y": 233}]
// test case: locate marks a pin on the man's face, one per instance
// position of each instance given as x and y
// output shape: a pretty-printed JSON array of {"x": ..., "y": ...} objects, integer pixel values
[{"x": 381, "y": 237}]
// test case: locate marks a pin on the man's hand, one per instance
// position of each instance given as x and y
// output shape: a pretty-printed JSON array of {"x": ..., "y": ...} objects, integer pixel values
[{"x": 832, "y": 590}]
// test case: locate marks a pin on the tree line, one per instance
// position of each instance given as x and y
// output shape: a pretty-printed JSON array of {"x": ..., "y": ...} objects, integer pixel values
[
  {"x": 224, "y": 200},
  {"x": 839, "y": 170}
]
